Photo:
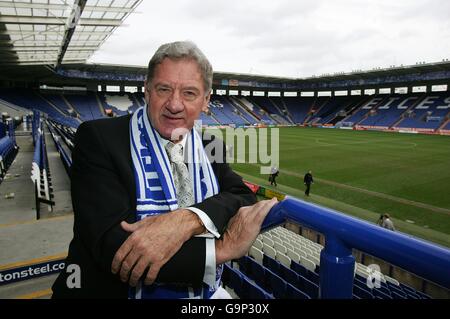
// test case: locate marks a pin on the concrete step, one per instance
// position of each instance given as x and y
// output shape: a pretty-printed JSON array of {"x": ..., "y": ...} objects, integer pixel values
[
  {"x": 38, "y": 288},
  {"x": 28, "y": 241}
]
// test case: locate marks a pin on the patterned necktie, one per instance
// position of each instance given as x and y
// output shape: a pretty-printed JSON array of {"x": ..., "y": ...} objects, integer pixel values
[{"x": 185, "y": 194}]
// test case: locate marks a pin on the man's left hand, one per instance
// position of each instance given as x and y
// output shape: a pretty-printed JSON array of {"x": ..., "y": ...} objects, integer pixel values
[{"x": 154, "y": 240}]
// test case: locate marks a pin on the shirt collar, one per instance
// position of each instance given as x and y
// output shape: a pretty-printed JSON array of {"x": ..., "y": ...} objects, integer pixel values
[{"x": 165, "y": 141}]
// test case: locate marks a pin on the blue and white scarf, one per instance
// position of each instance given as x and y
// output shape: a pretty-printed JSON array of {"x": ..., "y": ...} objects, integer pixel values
[{"x": 156, "y": 193}]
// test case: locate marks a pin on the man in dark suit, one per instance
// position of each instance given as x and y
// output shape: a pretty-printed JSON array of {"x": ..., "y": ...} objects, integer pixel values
[
  {"x": 308, "y": 180},
  {"x": 115, "y": 251}
]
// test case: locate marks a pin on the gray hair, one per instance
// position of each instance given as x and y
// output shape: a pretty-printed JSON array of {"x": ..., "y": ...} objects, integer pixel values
[{"x": 182, "y": 50}]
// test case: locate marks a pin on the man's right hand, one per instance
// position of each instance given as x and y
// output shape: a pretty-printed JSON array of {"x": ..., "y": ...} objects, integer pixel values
[
  {"x": 242, "y": 231},
  {"x": 153, "y": 241}
]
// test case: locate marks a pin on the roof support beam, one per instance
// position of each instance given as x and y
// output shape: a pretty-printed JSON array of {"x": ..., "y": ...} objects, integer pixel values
[
  {"x": 47, "y": 42},
  {"x": 48, "y": 48},
  {"x": 72, "y": 23},
  {"x": 40, "y": 62},
  {"x": 54, "y": 6},
  {"x": 55, "y": 33},
  {"x": 57, "y": 21}
]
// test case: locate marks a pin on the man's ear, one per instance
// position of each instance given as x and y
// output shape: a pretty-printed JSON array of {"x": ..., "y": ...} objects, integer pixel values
[
  {"x": 146, "y": 92},
  {"x": 205, "y": 106}
]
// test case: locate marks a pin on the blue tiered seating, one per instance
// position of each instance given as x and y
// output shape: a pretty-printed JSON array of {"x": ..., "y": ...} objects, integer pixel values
[
  {"x": 283, "y": 277},
  {"x": 8, "y": 151},
  {"x": 207, "y": 120},
  {"x": 299, "y": 107},
  {"x": 331, "y": 107},
  {"x": 86, "y": 105},
  {"x": 429, "y": 113},
  {"x": 228, "y": 110},
  {"x": 267, "y": 105},
  {"x": 364, "y": 110}
]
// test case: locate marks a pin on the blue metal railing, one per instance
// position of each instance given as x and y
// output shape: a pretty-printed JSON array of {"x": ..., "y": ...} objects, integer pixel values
[{"x": 343, "y": 233}]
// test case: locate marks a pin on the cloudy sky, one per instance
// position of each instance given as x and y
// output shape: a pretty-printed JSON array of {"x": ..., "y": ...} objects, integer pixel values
[{"x": 293, "y": 38}]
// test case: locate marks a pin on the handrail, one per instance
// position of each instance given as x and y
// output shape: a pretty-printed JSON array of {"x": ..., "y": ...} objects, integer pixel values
[{"x": 343, "y": 233}]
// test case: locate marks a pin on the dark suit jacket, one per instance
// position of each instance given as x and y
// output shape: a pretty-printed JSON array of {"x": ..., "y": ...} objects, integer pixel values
[{"x": 104, "y": 194}]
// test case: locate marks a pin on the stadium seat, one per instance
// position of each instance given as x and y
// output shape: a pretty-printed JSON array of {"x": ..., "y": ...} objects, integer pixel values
[
  {"x": 423, "y": 296},
  {"x": 308, "y": 264},
  {"x": 269, "y": 251},
  {"x": 279, "y": 247},
  {"x": 312, "y": 276},
  {"x": 293, "y": 255},
  {"x": 300, "y": 252},
  {"x": 288, "y": 274},
  {"x": 258, "y": 244},
  {"x": 276, "y": 239},
  {"x": 362, "y": 293},
  {"x": 257, "y": 272},
  {"x": 277, "y": 284},
  {"x": 294, "y": 293},
  {"x": 283, "y": 259},
  {"x": 268, "y": 241},
  {"x": 289, "y": 246},
  {"x": 243, "y": 263},
  {"x": 298, "y": 268},
  {"x": 381, "y": 294},
  {"x": 235, "y": 279},
  {"x": 256, "y": 254},
  {"x": 309, "y": 287},
  {"x": 255, "y": 292},
  {"x": 397, "y": 294},
  {"x": 271, "y": 264}
]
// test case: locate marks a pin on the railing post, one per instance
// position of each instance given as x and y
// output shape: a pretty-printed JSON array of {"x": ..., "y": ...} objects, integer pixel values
[{"x": 337, "y": 266}]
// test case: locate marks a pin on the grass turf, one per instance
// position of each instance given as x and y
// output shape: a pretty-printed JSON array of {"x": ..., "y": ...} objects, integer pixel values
[{"x": 412, "y": 170}]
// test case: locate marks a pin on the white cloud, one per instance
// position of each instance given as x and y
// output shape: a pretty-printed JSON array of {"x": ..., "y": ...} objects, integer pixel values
[{"x": 288, "y": 38}]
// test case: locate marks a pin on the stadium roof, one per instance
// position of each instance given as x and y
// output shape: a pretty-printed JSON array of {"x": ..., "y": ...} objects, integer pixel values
[
  {"x": 421, "y": 74},
  {"x": 57, "y": 31}
]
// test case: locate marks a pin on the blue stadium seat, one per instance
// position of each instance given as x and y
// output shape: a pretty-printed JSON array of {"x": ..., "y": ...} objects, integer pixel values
[
  {"x": 380, "y": 294},
  {"x": 299, "y": 269},
  {"x": 362, "y": 293},
  {"x": 271, "y": 264},
  {"x": 294, "y": 293},
  {"x": 253, "y": 291},
  {"x": 359, "y": 283},
  {"x": 309, "y": 287},
  {"x": 423, "y": 296},
  {"x": 397, "y": 292},
  {"x": 396, "y": 295},
  {"x": 257, "y": 272},
  {"x": 384, "y": 290},
  {"x": 289, "y": 275},
  {"x": 236, "y": 281},
  {"x": 312, "y": 276},
  {"x": 277, "y": 285},
  {"x": 243, "y": 263}
]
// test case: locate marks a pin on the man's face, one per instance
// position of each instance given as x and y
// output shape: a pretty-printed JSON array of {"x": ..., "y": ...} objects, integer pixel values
[{"x": 175, "y": 96}]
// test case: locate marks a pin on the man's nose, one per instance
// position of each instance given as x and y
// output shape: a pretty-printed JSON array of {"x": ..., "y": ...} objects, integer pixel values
[{"x": 175, "y": 103}]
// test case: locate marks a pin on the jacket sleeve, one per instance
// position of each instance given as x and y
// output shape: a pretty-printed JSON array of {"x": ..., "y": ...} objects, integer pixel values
[{"x": 101, "y": 202}]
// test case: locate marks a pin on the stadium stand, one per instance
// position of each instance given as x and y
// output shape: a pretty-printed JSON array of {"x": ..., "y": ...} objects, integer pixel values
[
  {"x": 406, "y": 111},
  {"x": 40, "y": 172},
  {"x": 294, "y": 276},
  {"x": 8, "y": 151},
  {"x": 429, "y": 113}
]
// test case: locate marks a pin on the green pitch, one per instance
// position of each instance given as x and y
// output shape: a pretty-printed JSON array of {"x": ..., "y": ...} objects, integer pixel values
[{"x": 367, "y": 173}]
